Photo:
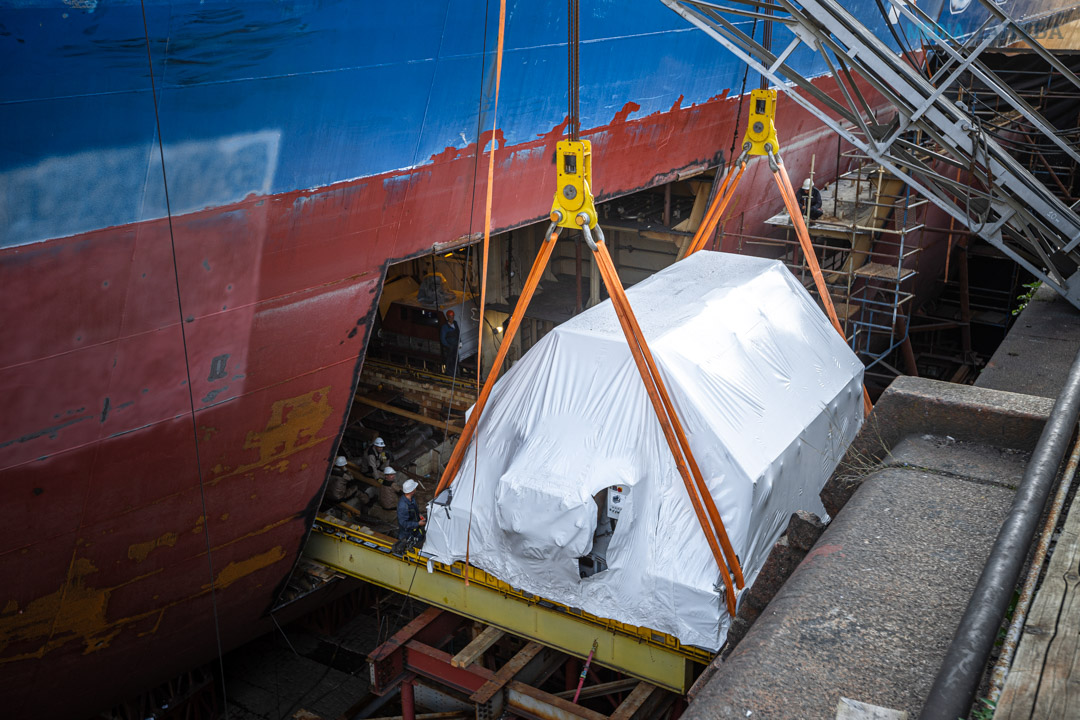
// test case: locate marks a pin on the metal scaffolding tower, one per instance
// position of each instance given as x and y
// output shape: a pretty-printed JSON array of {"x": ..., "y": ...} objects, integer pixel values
[
  {"x": 914, "y": 128},
  {"x": 866, "y": 255}
]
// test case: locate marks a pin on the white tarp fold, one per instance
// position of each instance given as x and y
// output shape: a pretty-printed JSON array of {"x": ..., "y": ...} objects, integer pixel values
[{"x": 770, "y": 397}]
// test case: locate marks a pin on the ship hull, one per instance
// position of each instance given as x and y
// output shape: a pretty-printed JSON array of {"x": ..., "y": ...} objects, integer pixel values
[{"x": 178, "y": 365}]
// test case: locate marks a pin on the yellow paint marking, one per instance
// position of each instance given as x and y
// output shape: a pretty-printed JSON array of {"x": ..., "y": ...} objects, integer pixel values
[
  {"x": 74, "y": 611},
  {"x": 294, "y": 425},
  {"x": 236, "y": 570},
  {"x": 78, "y": 612},
  {"x": 139, "y": 551}
]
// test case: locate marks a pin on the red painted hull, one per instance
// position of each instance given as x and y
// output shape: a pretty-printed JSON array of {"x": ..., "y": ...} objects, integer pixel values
[{"x": 104, "y": 546}]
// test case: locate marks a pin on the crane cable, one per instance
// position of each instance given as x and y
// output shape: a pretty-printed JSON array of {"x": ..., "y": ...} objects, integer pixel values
[
  {"x": 572, "y": 89},
  {"x": 698, "y": 492}
]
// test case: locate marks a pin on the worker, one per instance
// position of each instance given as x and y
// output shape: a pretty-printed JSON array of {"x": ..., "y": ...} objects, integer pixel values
[
  {"x": 449, "y": 335},
  {"x": 388, "y": 498},
  {"x": 378, "y": 457},
  {"x": 808, "y": 190},
  {"x": 337, "y": 488},
  {"x": 410, "y": 522}
]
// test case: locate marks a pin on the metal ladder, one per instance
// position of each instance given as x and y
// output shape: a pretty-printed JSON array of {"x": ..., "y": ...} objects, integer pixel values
[{"x": 918, "y": 132}]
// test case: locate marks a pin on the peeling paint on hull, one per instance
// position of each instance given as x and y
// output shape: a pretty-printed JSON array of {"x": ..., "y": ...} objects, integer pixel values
[
  {"x": 103, "y": 542},
  {"x": 107, "y": 507}
]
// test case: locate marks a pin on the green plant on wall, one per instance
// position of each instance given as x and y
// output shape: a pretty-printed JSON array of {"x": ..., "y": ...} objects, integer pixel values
[
  {"x": 1026, "y": 297},
  {"x": 983, "y": 710}
]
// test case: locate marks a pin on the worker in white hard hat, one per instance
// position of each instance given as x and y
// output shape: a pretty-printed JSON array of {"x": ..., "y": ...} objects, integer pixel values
[
  {"x": 809, "y": 198},
  {"x": 410, "y": 522},
  {"x": 378, "y": 457},
  {"x": 388, "y": 490},
  {"x": 337, "y": 488}
]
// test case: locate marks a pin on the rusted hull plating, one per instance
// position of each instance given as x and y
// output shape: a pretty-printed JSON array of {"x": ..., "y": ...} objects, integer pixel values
[{"x": 103, "y": 542}]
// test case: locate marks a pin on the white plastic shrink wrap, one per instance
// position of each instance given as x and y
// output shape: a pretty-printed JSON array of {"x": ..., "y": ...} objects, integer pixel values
[{"x": 770, "y": 397}]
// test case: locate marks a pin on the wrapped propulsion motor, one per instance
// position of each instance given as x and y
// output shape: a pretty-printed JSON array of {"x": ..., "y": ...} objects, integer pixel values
[{"x": 572, "y": 493}]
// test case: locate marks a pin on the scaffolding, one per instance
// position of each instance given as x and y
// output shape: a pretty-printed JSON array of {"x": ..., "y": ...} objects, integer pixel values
[
  {"x": 994, "y": 195},
  {"x": 866, "y": 251}
]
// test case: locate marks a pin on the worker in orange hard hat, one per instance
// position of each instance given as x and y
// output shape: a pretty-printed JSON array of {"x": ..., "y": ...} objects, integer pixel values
[{"x": 449, "y": 337}]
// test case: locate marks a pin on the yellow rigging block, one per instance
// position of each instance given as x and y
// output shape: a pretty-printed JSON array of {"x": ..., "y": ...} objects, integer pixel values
[
  {"x": 573, "y": 194},
  {"x": 760, "y": 130}
]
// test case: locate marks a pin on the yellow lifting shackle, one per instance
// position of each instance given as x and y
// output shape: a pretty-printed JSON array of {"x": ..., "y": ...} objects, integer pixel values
[
  {"x": 573, "y": 190},
  {"x": 760, "y": 127}
]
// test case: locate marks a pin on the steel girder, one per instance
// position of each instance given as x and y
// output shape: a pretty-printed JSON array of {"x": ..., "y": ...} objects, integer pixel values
[{"x": 998, "y": 200}]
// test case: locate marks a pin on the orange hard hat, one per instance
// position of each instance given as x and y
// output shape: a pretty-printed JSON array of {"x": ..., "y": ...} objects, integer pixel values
[{"x": 449, "y": 314}]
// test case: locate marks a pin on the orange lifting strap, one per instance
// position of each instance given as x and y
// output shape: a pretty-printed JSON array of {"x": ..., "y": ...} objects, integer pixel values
[
  {"x": 784, "y": 183},
  {"x": 700, "y": 498},
  {"x": 712, "y": 217}
]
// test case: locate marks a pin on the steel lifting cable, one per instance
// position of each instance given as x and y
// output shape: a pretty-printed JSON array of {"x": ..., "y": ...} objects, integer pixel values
[
  {"x": 490, "y": 187},
  {"x": 572, "y": 89},
  {"x": 213, "y": 585}
]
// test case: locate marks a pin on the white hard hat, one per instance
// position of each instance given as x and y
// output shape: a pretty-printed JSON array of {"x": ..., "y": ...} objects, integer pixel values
[
  {"x": 340, "y": 461},
  {"x": 389, "y": 471},
  {"x": 379, "y": 442},
  {"x": 806, "y": 184},
  {"x": 408, "y": 486}
]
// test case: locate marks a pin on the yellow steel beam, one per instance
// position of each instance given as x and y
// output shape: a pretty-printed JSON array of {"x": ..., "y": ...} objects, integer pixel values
[{"x": 640, "y": 652}]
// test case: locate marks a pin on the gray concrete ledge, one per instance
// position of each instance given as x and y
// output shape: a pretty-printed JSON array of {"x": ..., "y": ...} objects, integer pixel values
[
  {"x": 869, "y": 613},
  {"x": 917, "y": 407},
  {"x": 1036, "y": 355}
]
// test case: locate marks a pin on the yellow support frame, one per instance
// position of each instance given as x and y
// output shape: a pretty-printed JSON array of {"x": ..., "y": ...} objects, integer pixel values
[{"x": 640, "y": 652}]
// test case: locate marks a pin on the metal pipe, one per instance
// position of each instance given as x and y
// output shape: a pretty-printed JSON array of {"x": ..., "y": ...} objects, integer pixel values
[
  {"x": 1027, "y": 594},
  {"x": 965, "y": 303},
  {"x": 961, "y": 670},
  {"x": 585, "y": 670},
  {"x": 408, "y": 700}
]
